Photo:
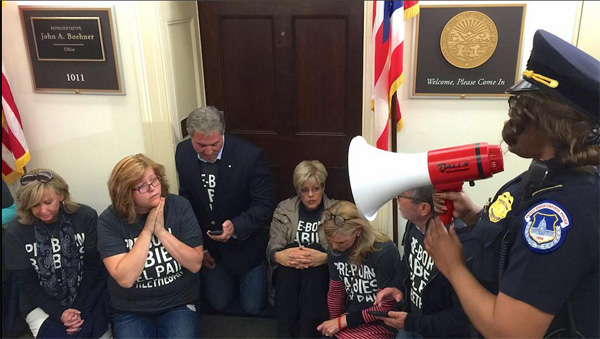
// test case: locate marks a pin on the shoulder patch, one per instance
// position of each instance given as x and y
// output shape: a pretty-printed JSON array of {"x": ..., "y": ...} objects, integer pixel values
[{"x": 545, "y": 226}]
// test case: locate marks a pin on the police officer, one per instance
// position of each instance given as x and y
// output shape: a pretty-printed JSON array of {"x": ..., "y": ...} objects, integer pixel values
[{"x": 537, "y": 270}]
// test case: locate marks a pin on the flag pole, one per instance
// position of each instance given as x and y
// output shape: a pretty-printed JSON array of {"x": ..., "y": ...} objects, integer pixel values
[{"x": 394, "y": 131}]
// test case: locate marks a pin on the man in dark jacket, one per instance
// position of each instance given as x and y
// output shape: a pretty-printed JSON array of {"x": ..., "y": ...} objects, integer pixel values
[
  {"x": 228, "y": 182},
  {"x": 430, "y": 305}
]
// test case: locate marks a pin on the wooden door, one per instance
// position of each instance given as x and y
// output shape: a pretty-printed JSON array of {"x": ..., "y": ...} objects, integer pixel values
[{"x": 288, "y": 75}]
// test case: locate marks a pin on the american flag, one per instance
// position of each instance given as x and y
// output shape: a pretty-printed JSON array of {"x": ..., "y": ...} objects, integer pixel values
[
  {"x": 388, "y": 47},
  {"x": 15, "y": 154}
]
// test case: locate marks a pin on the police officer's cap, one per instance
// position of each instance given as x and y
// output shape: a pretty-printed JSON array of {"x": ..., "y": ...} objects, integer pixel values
[{"x": 560, "y": 68}]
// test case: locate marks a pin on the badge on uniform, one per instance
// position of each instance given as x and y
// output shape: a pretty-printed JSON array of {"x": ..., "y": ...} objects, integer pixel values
[
  {"x": 500, "y": 208},
  {"x": 545, "y": 226}
]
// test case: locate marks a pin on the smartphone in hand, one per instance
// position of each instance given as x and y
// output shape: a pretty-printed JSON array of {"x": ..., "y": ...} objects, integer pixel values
[
  {"x": 217, "y": 232},
  {"x": 379, "y": 314}
]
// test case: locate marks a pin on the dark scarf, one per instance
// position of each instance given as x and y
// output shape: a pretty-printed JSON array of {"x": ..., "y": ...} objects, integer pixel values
[{"x": 61, "y": 287}]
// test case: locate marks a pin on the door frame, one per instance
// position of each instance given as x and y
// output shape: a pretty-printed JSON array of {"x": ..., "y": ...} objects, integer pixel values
[{"x": 158, "y": 98}]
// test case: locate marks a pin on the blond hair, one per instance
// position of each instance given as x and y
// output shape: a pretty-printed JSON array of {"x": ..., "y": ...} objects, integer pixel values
[
  {"x": 365, "y": 243},
  {"x": 309, "y": 170},
  {"x": 31, "y": 194}
]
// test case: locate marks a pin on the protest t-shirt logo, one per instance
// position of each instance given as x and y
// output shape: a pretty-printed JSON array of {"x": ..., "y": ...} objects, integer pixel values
[
  {"x": 421, "y": 269},
  {"x": 160, "y": 268},
  {"x": 360, "y": 281}
]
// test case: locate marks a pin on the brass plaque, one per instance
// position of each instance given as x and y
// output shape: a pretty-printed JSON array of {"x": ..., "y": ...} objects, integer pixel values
[
  {"x": 469, "y": 39},
  {"x": 72, "y": 49}
]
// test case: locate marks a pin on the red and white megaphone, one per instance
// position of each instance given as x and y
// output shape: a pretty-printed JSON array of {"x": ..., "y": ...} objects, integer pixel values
[{"x": 377, "y": 176}]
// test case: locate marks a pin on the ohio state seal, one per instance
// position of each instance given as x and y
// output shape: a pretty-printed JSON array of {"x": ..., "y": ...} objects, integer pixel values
[{"x": 469, "y": 39}]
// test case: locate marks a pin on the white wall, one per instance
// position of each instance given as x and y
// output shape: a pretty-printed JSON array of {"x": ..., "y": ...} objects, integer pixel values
[
  {"x": 589, "y": 27},
  {"x": 439, "y": 123},
  {"x": 81, "y": 137}
]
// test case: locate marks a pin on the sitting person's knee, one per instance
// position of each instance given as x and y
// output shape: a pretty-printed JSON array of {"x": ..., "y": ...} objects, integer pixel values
[
  {"x": 220, "y": 301},
  {"x": 253, "y": 308}
]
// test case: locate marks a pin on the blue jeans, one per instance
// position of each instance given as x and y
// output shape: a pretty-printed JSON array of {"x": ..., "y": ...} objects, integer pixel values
[
  {"x": 222, "y": 287},
  {"x": 178, "y": 322},
  {"x": 403, "y": 334}
]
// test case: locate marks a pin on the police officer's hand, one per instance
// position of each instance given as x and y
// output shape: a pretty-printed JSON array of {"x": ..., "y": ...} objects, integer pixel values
[
  {"x": 444, "y": 247},
  {"x": 388, "y": 293},
  {"x": 464, "y": 208},
  {"x": 396, "y": 319}
]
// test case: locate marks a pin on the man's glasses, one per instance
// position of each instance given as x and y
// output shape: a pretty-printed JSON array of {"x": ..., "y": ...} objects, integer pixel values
[
  {"x": 338, "y": 220},
  {"x": 409, "y": 198},
  {"x": 41, "y": 177},
  {"x": 143, "y": 188}
]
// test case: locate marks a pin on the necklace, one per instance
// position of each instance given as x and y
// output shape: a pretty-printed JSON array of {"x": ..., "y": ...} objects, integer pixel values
[{"x": 53, "y": 233}]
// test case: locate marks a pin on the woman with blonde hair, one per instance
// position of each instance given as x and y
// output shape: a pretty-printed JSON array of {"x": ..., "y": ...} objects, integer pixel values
[
  {"x": 151, "y": 244},
  {"x": 297, "y": 254},
  {"x": 52, "y": 255},
  {"x": 362, "y": 261}
]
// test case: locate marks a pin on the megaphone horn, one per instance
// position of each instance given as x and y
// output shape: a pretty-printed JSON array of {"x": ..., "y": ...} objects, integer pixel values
[{"x": 377, "y": 176}]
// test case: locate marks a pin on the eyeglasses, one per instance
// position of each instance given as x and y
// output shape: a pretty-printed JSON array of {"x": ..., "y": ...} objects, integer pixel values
[
  {"x": 145, "y": 187},
  {"x": 41, "y": 177},
  {"x": 338, "y": 220},
  {"x": 409, "y": 198}
]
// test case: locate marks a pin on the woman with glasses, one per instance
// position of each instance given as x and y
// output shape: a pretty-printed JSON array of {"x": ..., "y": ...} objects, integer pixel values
[
  {"x": 297, "y": 254},
  {"x": 51, "y": 251},
  {"x": 537, "y": 273},
  {"x": 362, "y": 261},
  {"x": 151, "y": 244}
]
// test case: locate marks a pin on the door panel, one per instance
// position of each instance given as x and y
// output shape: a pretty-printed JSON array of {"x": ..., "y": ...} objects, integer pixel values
[
  {"x": 288, "y": 75},
  {"x": 321, "y": 90},
  {"x": 248, "y": 86}
]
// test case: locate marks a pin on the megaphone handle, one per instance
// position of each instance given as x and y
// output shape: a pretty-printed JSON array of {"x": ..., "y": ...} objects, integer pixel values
[{"x": 446, "y": 217}]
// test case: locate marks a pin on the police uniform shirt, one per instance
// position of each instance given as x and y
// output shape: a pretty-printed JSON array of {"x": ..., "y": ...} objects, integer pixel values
[
  {"x": 555, "y": 250},
  {"x": 308, "y": 225}
]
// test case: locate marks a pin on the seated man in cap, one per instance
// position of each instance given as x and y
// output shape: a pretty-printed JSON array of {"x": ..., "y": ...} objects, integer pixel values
[{"x": 537, "y": 271}]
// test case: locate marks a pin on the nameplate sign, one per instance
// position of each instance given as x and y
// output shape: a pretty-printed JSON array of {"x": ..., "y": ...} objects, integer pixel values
[
  {"x": 72, "y": 50},
  {"x": 68, "y": 39}
]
